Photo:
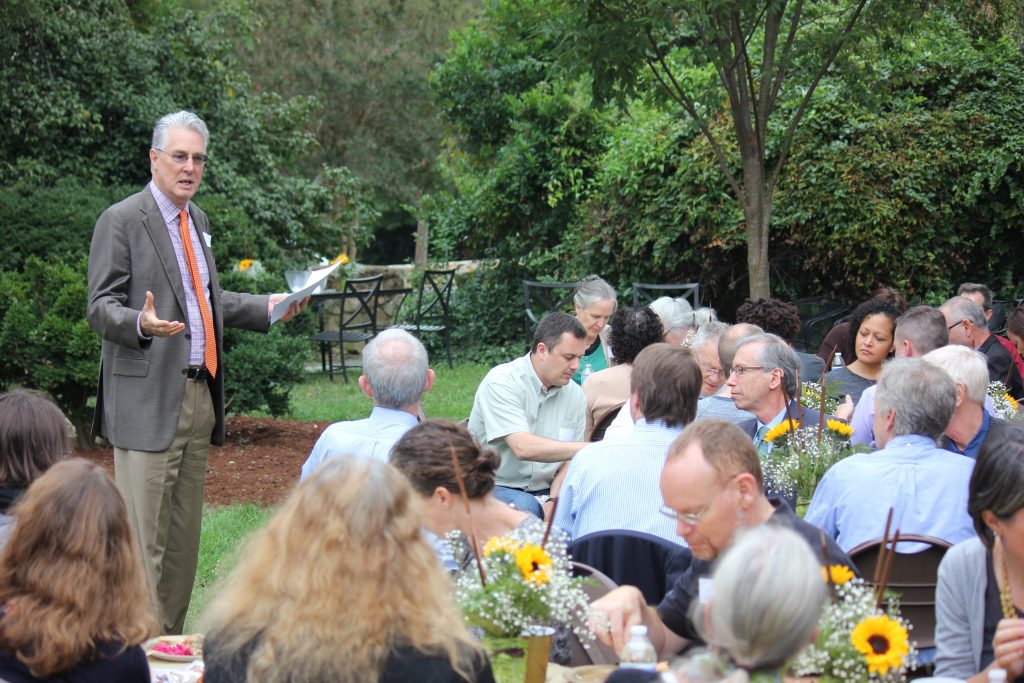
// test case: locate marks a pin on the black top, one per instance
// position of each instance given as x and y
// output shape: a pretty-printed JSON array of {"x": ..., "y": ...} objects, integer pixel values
[
  {"x": 674, "y": 610},
  {"x": 9, "y": 495},
  {"x": 993, "y": 613},
  {"x": 112, "y": 664},
  {"x": 1001, "y": 366},
  {"x": 403, "y": 664}
]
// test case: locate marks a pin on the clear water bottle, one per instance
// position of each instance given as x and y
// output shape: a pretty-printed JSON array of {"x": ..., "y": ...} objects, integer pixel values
[
  {"x": 837, "y": 360},
  {"x": 588, "y": 370},
  {"x": 997, "y": 676},
  {"x": 639, "y": 652}
]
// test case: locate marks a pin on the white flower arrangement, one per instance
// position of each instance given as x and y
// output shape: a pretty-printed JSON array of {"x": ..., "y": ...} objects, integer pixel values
[
  {"x": 800, "y": 456},
  {"x": 1006, "y": 405},
  {"x": 810, "y": 396}
]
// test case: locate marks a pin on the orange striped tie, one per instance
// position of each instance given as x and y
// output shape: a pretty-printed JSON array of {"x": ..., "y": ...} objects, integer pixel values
[{"x": 197, "y": 285}]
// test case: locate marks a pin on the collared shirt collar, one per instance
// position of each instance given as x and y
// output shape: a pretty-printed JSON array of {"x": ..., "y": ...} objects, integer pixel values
[
  {"x": 534, "y": 379},
  {"x": 167, "y": 208},
  {"x": 642, "y": 425},
  {"x": 910, "y": 440},
  {"x": 393, "y": 416},
  {"x": 777, "y": 420},
  {"x": 974, "y": 447}
]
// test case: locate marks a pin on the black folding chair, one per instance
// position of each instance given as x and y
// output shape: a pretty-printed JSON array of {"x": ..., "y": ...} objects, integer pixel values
[
  {"x": 543, "y": 297},
  {"x": 356, "y": 315},
  {"x": 433, "y": 307}
]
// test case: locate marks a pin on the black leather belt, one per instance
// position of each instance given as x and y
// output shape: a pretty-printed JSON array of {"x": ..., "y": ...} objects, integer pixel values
[{"x": 196, "y": 372}]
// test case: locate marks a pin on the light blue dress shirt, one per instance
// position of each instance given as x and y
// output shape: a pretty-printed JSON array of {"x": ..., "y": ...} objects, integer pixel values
[
  {"x": 925, "y": 485},
  {"x": 863, "y": 420},
  {"x": 369, "y": 438},
  {"x": 613, "y": 484}
]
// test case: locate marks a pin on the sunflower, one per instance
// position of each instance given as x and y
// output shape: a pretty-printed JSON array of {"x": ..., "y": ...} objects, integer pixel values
[
  {"x": 245, "y": 264},
  {"x": 341, "y": 258},
  {"x": 534, "y": 563},
  {"x": 839, "y": 573},
  {"x": 883, "y": 642},
  {"x": 839, "y": 427},
  {"x": 1013, "y": 402},
  {"x": 781, "y": 429},
  {"x": 499, "y": 543}
]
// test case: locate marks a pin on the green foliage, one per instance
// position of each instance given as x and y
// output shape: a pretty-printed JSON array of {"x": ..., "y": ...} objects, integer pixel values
[
  {"x": 47, "y": 342},
  {"x": 261, "y": 370}
]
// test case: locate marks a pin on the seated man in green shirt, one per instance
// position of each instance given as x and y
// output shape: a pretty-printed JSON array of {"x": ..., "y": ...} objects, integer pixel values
[{"x": 531, "y": 412}]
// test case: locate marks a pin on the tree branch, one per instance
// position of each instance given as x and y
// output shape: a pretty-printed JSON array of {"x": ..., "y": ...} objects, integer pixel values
[
  {"x": 787, "y": 141},
  {"x": 780, "y": 73}
]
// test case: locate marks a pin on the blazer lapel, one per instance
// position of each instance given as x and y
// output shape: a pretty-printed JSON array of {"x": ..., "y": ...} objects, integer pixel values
[{"x": 154, "y": 222}]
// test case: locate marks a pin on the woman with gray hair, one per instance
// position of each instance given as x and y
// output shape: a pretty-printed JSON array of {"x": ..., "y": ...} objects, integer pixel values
[
  {"x": 768, "y": 598},
  {"x": 595, "y": 302},
  {"x": 676, "y": 317}
]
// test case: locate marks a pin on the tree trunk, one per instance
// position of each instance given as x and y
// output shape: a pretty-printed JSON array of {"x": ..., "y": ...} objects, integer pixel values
[
  {"x": 420, "y": 259},
  {"x": 757, "y": 210}
]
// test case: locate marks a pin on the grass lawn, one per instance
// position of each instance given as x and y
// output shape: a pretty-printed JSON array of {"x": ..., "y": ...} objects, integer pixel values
[{"x": 322, "y": 400}]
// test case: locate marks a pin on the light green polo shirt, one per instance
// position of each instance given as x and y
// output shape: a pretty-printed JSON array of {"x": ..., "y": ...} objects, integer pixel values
[{"x": 512, "y": 399}]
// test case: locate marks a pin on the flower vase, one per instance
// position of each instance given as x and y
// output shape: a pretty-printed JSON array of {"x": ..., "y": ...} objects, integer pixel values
[{"x": 520, "y": 660}]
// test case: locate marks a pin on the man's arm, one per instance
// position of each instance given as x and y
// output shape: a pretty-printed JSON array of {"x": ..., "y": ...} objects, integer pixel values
[
  {"x": 625, "y": 607},
  {"x": 535, "y": 448}
]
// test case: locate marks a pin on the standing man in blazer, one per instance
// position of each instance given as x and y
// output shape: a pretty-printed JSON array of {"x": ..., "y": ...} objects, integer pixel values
[{"x": 155, "y": 299}]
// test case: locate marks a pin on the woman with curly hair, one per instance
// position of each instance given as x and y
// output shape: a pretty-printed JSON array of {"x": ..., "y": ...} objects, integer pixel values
[
  {"x": 873, "y": 327},
  {"x": 341, "y": 586},
  {"x": 75, "y": 606},
  {"x": 632, "y": 330}
]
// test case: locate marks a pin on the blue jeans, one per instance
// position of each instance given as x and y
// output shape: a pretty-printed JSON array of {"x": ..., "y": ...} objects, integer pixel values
[{"x": 521, "y": 500}]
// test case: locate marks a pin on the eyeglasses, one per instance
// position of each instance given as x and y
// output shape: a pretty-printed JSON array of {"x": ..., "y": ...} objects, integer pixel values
[
  {"x": 181, "y": 158},
  {"x": 711, "y": 371},
  {"x": 957, "y": 324},
  {"x": 740, "y": 370},
  {"x": 688, "y": 518}
]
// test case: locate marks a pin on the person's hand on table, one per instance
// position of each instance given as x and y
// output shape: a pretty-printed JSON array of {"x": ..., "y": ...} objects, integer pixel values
[
  {"x": 1008, "y": 647},
  {"x": 613, "y": 614}
]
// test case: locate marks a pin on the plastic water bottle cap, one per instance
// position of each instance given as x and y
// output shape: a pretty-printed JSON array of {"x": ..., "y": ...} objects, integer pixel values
[{"x": 638, "y": 630}]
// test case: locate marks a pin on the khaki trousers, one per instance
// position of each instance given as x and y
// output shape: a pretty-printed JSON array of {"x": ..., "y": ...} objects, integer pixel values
[{"x": 164, "y": 496}]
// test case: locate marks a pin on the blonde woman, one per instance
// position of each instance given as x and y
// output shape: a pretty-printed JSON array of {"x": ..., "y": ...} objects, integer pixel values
[
  {"x": 75, "y": 606},
  {"x": 341, "y": 587}
]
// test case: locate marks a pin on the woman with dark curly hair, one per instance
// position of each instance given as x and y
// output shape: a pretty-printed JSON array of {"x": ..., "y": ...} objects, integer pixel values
[
  {"x": 632, "y": 330},
  {"x": 782, "y": 319},
  {"x": 75, "y": 606},
  {"x": 874, "y": 326}
]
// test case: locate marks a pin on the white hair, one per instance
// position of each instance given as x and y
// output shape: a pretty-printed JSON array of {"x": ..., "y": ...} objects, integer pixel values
[
  {"x": 592, "y": 289},
  {"x": 179, "y": 119},
  {"x": 675, "y": 314},
  {"x": 965, "y": 365},
  {"x": 703, "y": 316},
  {"x": 962, "y": 308},
  {"x": 709, "y": 333},
  {"x": 768, "y": 597},
  {"x": 395, "y": 364},
  {"x": 922, "y": 396}
]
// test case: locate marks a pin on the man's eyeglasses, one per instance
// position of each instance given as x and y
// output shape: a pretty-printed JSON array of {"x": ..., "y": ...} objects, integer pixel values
[
  {"x": 740, "y": 370},
  {"x": 957, "y": 324},
  {"x": 688, "y": 518},
  {"x": 716, "y": 372},
  {"x": 181, "y": 158}
]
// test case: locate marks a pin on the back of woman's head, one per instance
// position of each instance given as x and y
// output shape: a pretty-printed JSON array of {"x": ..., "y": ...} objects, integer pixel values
[
  {"x": 340, "y": 576},
  {"x": 424, "y": 455},
  {"x": 768, "y": 598},
  {"x": 71, "y": 571},
  {"x": 997, "y": 483},
  {"x": 33, "y": 436}
]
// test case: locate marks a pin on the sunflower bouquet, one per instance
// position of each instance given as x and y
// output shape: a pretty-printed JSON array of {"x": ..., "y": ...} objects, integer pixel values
[
  {"x": 519, "y": 585},
  {"x": 1006, "y": 405},
  {"x": 811, "y": 396},
  {"x": 858, "y": 642},
  {"x": 801, "y": 454}
]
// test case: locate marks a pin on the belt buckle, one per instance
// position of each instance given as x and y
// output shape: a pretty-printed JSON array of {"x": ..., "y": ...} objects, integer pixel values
[{"x": 196, "y": 373}]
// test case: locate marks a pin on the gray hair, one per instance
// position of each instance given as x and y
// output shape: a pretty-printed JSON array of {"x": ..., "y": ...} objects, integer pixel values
[
  {"x": 395, "y": 365},
  {"x": 961, "y": 308},
  {"x": 702, "y": 316},
  {"x": 592, "y": 289},
  {"x": 922, "y": 395},
  {"x": 768, "y": 598},
  {"x": 179, "y": 119},
  {"x": 924, "y": 327},
  {"x": 977, "y": 288},
  {"x": 675, "y": 314},
  {"x": 966, "y": 366},
  {"x": 709, "y": 333},
  {"x": 728, "y": 341},
  {"x": 776, "y": 353}
]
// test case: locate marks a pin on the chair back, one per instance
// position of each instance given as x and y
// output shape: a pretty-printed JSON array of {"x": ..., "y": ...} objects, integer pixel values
[
  {"x": 997, "y": 323},
  {"x": 433, "y": 298},
  {"x": 818, "y": 315},
  {"x": 359, "y": 304},
  {"x": 604, "y": 423},
  {"x": 913, "y": 577},
  {"x": 542, "y": 297},
  {"x": 598, "y": 653},
  {"x": 644, "y": 293},
  {"x": 633, "y": 558}
]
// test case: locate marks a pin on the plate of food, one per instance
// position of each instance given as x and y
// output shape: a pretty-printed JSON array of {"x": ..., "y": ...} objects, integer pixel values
[{"x": 176, "y": 648}]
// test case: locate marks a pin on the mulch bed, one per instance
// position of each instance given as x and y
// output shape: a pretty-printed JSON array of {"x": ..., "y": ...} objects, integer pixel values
[{"x": 259, "y": 462}]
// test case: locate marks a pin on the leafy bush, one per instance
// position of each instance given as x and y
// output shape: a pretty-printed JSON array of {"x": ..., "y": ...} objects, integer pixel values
[
  {"x": 261, "y": 370},
  {"x": 47, "y": 342}
]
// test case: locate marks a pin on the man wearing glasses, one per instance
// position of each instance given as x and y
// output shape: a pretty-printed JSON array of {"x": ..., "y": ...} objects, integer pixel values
[
  {"x": 155, "y": 300},
  {"x": 713, "y": 488},
  {"x": 968, "y": 327}
]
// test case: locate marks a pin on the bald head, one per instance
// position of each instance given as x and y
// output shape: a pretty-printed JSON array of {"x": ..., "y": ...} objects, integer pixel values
[{"x": 728, "y": 341}]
